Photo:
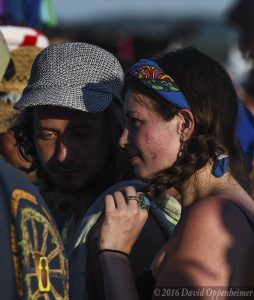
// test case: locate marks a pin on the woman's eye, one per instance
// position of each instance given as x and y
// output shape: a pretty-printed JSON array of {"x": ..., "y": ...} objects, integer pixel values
[{"x": 135, "y": 122}]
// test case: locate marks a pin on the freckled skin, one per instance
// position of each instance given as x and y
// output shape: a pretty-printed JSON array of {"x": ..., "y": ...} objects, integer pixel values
[
  {"x": 153, "y": 142},
  {"x": 153, "y": 155}
]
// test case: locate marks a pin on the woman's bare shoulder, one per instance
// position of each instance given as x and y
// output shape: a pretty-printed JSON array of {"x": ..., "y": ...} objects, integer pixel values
[
  {"x": 214, "y": 217},
  {"x": 209, "y": 237},
  {"x": 204, "y": 221}
]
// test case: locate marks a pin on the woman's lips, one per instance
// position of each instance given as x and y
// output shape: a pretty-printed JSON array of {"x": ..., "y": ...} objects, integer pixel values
[{"x": 134, "y": 158}]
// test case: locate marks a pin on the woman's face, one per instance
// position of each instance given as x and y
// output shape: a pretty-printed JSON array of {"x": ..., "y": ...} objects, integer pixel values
[{"x": 153, "y": 144}]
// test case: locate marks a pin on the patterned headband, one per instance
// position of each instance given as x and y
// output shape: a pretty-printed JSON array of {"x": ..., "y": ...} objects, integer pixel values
[{"x": 152, "y": 76}]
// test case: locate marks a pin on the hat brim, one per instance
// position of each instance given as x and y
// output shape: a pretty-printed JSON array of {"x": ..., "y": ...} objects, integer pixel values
[{"x": 71, "y": 97}]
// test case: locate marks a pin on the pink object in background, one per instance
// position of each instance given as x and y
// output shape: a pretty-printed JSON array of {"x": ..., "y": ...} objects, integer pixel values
[{"x": 125, "y": 49}]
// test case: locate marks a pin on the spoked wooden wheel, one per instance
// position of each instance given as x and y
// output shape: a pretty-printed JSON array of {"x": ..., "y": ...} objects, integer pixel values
[{"x": 43, "y": 264}]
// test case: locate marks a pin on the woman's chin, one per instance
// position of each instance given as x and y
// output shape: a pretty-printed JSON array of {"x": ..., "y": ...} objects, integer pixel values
[{"x": 144, "y": 176}]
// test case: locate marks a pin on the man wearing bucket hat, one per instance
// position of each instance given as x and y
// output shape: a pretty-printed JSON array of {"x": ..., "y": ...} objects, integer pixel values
[
  {"x": 71, "y": 118},
  {"x": 70, "y": 122}
]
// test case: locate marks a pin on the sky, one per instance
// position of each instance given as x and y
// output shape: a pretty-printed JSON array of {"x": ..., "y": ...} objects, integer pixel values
[{"x": 90, "y": 10}]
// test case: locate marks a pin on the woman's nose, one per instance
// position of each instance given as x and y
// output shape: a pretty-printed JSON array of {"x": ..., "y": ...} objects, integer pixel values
[{"x": 123, "y": 140}]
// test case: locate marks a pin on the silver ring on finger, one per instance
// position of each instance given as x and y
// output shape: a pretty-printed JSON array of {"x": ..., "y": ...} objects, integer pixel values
[{"x": 144, "y": 202}]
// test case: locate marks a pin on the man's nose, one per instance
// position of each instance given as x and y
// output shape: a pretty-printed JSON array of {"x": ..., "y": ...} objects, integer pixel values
[
  {"x": 123, "y": 140},
  {"x": 62, "y": 152}
]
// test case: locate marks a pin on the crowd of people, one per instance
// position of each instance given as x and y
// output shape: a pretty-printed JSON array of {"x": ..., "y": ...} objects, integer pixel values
[{"x": 125, "y": 184}]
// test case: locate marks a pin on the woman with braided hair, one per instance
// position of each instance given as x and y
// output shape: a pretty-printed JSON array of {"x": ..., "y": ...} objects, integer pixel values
[{"x": 181, "y": 111}]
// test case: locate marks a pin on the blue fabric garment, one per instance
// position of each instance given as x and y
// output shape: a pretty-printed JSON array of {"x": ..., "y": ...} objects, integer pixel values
[
  {"x": 15, "y": 11},
  {"x": 27, "y": 231},
  {"x": 245, "y": 133},
  {"x": 33, "y": 12},
  {"x": 166, "y": 212},
  {"x": 23, "y": 12}
]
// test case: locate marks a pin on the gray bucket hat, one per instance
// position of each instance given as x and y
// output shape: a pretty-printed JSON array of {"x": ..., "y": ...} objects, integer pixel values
[{"x": 73, "y": 75}]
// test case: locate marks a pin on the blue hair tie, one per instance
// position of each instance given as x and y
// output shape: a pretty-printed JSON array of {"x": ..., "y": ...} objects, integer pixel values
[
  {"x": 221, "y": 164},
  {"x": 152, "y": 76}
]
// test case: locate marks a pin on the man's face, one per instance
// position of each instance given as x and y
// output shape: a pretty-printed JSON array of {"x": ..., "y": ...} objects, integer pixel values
[{"x": 71, "y": 145}]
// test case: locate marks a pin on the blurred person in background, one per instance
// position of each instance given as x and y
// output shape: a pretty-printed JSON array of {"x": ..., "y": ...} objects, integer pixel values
[
  {"x": 69, "y": 124},
  {"x": 248, "y": 91},
  {"x": 23, "y": 45},
  {"x": 11, "y": 87},
  {"x": 241, "y": 16}
]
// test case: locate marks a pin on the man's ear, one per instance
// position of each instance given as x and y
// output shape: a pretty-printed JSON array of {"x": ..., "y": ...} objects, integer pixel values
[{"x": 187, "y": 124}]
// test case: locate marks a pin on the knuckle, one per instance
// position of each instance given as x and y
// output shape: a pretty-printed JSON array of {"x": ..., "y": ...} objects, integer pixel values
[
  {"x": 123, "y": 213},
  {"x": 135, "y": 212},
  {"x": 117, "y": 194},
  {"x": 130, "y": 189}
]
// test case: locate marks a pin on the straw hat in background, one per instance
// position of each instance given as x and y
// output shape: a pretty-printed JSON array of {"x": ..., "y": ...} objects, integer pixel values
[
  {"x": 17, "y": 73},
  {"x": 14, "y": 81},
  {"x": 24, "y": 43},
  {"x": 6, "y": 113}
]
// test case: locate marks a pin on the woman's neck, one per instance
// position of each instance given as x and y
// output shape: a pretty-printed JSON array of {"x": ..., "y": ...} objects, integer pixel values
[{"x": 203, "y": 184}]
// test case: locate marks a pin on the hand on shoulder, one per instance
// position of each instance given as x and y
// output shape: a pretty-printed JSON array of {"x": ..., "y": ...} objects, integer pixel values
[{"x": 123, "y": 220}]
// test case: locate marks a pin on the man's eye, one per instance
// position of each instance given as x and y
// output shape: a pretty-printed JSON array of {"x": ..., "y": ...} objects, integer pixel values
[{"x": 47, "y": 135}]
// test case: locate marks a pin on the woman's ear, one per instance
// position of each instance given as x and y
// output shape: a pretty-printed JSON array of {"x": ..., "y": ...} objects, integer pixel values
[{"x": 187, "y": 124}]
